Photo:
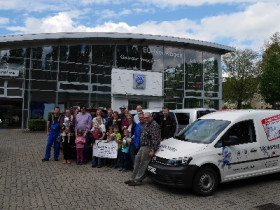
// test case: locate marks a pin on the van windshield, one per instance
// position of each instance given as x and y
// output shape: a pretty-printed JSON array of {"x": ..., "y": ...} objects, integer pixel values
[{"x": 203, "y": 131}]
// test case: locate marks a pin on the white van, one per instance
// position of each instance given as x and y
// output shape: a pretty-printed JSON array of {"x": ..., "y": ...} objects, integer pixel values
[
  {"x": 219, "y": 147},
  {"x": 188, "y": 116}
]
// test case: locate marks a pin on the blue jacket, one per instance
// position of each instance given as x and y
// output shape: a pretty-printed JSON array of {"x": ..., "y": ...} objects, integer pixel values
[{"x": 137, "y": 134}]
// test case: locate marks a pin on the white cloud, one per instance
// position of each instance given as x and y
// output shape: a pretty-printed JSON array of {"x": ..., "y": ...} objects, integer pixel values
[
  {"x": 111, "y": 14},
  {"x": 177, "y": 3},
  {"x": 4, "y": 21},
  {"x": 34, "y": 6},
  {"x": 248, "y": 28}
]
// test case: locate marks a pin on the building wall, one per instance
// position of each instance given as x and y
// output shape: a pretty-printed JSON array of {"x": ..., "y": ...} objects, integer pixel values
[{"x": 102, "y": 76}]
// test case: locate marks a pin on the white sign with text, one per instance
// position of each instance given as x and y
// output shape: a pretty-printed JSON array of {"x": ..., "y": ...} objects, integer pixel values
[
  {"x": 9, "y": 73},
  {"x": 104, "y": 149}
]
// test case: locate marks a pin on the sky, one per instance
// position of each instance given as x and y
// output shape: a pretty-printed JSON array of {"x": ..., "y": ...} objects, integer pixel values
[{"x": 236, "y": 23}]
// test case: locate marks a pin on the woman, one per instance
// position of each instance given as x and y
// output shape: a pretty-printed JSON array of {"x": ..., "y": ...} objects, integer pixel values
[
  {"x": 67, "y": 123},
  {"x": 116, "y": 120}
]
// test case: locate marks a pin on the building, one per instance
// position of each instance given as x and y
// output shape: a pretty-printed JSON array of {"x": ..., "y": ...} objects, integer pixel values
[{"x": 38, "y": 71}]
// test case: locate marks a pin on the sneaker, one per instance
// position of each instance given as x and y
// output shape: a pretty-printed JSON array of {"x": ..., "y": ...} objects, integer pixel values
[
  {"x": 64, "y": 161},
  {"x": 56, "y": 159},
  {"x": 93, "y": 166},
  {"x": 45, "y": 159},
  {"x": 80, "y": 163},
  {"x": 128, "y": 181},
  {"x": 120, "y": 169},
  {"x": 68, "y": 161},
  {"x": 124, "y": 170},
  {"x": 132, "y": 183},
  {"x": 98, "y": 166}
]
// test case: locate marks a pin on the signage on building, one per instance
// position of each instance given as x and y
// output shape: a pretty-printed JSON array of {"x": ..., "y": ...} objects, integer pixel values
[
  {"x": 9, "y": 73},
  {"x": 139, "y": 81}
]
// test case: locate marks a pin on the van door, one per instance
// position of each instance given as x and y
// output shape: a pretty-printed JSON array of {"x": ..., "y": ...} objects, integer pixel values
[{"x": 239, "y": 157}]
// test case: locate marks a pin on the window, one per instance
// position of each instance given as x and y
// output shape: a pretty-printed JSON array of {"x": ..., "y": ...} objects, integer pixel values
[
  {"x": 183, "y": 118},
  {"x": 244, "y": 131}
]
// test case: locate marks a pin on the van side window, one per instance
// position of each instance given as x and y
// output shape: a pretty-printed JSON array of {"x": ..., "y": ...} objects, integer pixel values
[
  {"x": 201, "y": 113},
  {"x": 183, "y": 118},
  {"x": 245, "y": 131}
]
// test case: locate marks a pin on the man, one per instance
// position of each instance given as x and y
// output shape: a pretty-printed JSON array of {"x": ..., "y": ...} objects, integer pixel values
[
  {"x": 83, "y": 121},
  {"x": 122, "y": 115},
  {"x": 53, "y": 131},
  {"x": 109, "y": 119},
  {"x": 149, "y": 141},
  {"x": 167, "y": 124},
  {"x": 135, "y": 145},
  {"x": 138, "y": 110}
]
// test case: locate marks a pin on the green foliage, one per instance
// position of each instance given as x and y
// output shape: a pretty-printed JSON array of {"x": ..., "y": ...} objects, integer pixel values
[
  {"x": 242, "y": 76},
  {"x": 270, "y": 80},
  {"x": 37, "y": 125}
]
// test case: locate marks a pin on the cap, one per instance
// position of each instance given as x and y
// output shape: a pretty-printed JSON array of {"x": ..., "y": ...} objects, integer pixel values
[{"x": 122, "y": 107}]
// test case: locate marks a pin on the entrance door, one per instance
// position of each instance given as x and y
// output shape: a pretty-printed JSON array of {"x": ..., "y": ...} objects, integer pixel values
[{"x": 10, "y": 113}]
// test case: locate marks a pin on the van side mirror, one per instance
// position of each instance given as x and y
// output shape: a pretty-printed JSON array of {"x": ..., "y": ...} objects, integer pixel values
[{"x": 231, "y": 140}]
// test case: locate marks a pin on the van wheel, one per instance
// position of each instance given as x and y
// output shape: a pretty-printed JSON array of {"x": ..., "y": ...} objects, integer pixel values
[{"x": 205, "y": 181}]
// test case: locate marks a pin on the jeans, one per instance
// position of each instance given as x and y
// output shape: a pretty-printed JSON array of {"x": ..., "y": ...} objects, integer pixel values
[
  {"x": 118, "y": 157},
  {"x": 94, "y": 161},
  {"x": 124, "y": 160},
  {"x": 52, "y": 140},
  {"x": 132, "y": 152}
]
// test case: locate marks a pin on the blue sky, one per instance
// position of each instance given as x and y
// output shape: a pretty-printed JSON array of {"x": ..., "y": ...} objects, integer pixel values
[{"x": 237, "y": 23}]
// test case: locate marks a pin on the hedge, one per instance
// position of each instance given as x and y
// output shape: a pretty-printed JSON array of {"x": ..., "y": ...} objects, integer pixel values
[{"x": 37, "y": 125}]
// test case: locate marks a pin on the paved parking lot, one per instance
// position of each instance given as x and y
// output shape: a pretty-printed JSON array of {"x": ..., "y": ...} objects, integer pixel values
[{"x": 27, "y": 183}]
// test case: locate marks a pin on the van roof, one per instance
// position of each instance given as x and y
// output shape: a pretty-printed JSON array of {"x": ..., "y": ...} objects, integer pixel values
[
  {"x": 240, "y": 114},
  {"x": 192, "y": 109}
]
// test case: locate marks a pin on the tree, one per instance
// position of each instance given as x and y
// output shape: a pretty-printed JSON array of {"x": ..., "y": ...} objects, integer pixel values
[
  {"x": 242, "y": 76},
  {"x": 270, "y": 80}
]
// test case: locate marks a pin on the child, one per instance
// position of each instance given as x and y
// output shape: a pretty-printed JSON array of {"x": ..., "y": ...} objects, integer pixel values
[
  {"x": 109, "y": 138},
  {"x": 116, "y": 136},
  {"x": 97, "y": 134},
  {"x": 125, "y": 149},
  {"x": 80, "y": 144}
]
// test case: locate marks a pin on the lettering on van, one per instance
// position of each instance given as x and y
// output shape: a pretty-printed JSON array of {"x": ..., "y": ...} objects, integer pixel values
[
  {"x": 271, "y": 163},
  {"x": 162, "y": 147},
  {"x": 266, "y": 149},
  {"x": 244, "y": 168},
  {"x": 271, "y": 127}
]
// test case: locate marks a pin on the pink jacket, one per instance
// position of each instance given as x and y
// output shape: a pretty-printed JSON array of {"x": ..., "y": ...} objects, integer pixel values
[{"x": 78, "y": 139}]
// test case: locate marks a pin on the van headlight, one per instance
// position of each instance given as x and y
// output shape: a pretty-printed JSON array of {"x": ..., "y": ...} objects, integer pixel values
[{"x": 179, "y": 161}]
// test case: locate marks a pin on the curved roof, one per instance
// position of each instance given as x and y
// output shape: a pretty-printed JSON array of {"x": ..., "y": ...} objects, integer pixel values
[{"x": 61, "y": 38}]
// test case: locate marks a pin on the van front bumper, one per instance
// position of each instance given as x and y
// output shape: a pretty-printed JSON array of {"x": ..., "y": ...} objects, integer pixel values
[{"x": 172, "y": 176}]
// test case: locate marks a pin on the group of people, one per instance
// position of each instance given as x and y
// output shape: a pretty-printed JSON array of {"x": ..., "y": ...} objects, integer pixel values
[{"x": 137, "y": 137}]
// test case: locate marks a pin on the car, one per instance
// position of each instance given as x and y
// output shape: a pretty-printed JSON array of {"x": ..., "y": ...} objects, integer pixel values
[
  {"x": 157, "y": 115},
  {"x": 188, "y": 116},
  {"x": 217, "y": 148}
]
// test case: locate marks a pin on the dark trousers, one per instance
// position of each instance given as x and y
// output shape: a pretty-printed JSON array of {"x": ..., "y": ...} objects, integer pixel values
[
  {"x": 66, "y": 150},
  {"x": 132, "y": 153},
  {"x": 87, "y": 146},
  {"x": 124, "y": 160}
]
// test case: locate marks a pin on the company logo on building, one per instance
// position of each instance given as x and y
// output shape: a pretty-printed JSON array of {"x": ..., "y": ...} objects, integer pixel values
[{"x": 139, "y": 81}]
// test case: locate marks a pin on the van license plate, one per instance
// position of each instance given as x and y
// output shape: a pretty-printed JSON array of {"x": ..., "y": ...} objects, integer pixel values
[{"x": 152, "y": 169}]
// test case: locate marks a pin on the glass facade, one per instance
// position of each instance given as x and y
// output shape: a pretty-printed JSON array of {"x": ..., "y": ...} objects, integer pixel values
[{"x": 80, "y": 74}]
